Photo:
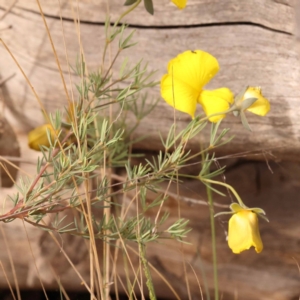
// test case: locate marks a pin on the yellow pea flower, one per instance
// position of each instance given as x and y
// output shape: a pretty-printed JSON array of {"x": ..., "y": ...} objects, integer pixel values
[
  {"x": 261, "y": 106},
  {"x": 182, "y": 87},
  {"x": 243, "y": 232},
  {"x": 38, "y": 137},
  {"x": 180, "y": 3}
]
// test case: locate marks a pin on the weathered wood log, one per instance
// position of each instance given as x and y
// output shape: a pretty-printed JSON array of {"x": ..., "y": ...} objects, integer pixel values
[
  {"x": 272, "y": 274},
  {"x": 254, "y": 44},
  {"x": 251, "y": 49},
  {"x": 275, "y": 15},
  {"x": 9, "y": 147}
]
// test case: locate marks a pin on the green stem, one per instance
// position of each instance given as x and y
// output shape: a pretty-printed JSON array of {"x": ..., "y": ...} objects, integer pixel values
[
  {"x": 149, "y": 281},
  {"x": 238, "y": 198},
  {"x": 218, "y": 114},
  {"x": 127, "y": 11},
  {"x": 213, "y": 240}
]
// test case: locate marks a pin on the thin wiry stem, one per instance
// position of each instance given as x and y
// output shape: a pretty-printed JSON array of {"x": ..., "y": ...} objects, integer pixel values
[
  {"x": 127, "y": 12},
  {"x": 213, "y": 240}
]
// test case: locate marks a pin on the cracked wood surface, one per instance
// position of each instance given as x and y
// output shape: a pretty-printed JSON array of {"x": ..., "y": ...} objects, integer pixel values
[
  {"x": 273, "y": 14},
  {"x": 272, "y": 274},
  {"x": 250, "y": 52},
  {"x": 254, "y": 44}
]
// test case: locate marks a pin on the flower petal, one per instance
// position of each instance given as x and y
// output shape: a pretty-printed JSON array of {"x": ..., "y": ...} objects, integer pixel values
[
  {"x": 179, "y": 94},
  {"x": 187, "y": 74},
  {"x": 261, "y": 106},
  {"x": 243, "y": 232},
  {"x": 216, "y": 101},
  {"x": 236, "y": 207},
  {"x": 180, "y": 3},
  {"x": 38, "y": 137},
  {"x": 195, "y": 68}
]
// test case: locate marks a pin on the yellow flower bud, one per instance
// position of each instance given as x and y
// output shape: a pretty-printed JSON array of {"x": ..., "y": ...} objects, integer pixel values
[
  {"x": 243, "y": 232},
  {"x": 38, "y": 137}
]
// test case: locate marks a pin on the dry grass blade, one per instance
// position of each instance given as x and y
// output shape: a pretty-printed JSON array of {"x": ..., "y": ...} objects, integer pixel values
[
  {"x": 8, "y": 10},
  {"x": 11, "y": 262},
  {"x": 8, "y": 283},
  {"x": 34, "y": 261}
]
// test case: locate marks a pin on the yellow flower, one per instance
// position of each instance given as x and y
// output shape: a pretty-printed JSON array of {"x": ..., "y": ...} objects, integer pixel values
[
  {"x": 261, "y": 106},
  {"x": 180, "y": 3},
  {"x": 216, "y": 101},
  {"x": 243, "y": 231},
  {"x": 38, "y": 137},
  {"x": 182, "y": 87}
]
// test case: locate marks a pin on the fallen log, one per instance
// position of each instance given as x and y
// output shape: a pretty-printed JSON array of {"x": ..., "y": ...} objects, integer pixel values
[
  {"x": 251, "y": 50},
  {"x": 254, "y": 44}
]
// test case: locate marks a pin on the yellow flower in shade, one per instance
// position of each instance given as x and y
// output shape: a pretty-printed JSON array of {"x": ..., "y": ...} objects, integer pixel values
[
  {"x": 38, "y": 137},
  {"x": 243, "y": 232},
  {"x": 182, "y": 87},
  {"x": 180, "y": 3},
  {"x": 261, "y": 106}
]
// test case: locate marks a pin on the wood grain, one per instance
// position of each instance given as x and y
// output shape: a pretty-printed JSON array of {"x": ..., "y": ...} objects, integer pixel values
[
  {"x": 9, "y": 147},
  {"x": 254, "y": 44},
  {"x": 273, "y": 14},
  {"x": 272, "y": 274},
  {"x": 248, "y": 55}
]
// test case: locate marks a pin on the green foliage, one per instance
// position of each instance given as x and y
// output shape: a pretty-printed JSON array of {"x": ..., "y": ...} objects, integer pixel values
[
  {"x": 74, "y": 174},
  {"x": 149, "y": 6}
]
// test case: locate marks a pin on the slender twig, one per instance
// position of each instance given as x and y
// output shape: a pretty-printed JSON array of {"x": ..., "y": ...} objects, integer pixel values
[
  {"x": 127, "y": 12},
  {"x": 20, "y": 203},
  {"x": 35, "y": 264},
  {"x": 213, "y": 240},
  {"x": 238, "y": 198},
  {"x": 54, "y": 50},
  {"x": 111, "y": 65},
  {"x": 72, "y": 265},
  {"x": 7, "y": 281},
  {"x": 27, "y": 80},
  {"x": 11, "y": 262},
  {"x": 8, "y": 10}
]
